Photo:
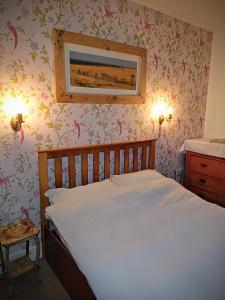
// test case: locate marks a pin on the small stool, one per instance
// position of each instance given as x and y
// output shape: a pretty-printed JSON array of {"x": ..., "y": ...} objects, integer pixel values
[{"x": 14, "y": 234}]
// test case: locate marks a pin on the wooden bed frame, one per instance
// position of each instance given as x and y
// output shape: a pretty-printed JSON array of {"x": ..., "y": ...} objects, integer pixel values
[{"x": 53, "y": 249}]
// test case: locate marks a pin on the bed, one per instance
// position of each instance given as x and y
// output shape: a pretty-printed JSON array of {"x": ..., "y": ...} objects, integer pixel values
[{"x": 133, "y": 236}]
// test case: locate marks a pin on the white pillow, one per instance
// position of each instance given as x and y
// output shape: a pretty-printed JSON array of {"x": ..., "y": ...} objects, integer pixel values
[
  {"x": 52, "y": 194},
  {"x": 58, "y": 195},
  {"x": 135, "y": 177}
]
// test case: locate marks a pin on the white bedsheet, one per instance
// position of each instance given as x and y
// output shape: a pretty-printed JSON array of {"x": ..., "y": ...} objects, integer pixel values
[{"x": 152, "y": 241}]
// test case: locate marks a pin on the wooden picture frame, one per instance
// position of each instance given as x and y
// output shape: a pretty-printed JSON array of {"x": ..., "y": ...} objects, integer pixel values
[{"x": 106, "y": 71}]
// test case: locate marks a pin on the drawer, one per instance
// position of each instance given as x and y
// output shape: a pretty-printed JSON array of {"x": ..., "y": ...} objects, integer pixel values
[
  {"x": 212, "y": 167},
  {"x": 207, "y": 183},
  {"x": 211, "y": 197}
]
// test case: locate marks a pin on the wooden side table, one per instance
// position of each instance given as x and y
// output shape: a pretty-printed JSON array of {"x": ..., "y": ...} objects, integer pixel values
[{"x": 14, "y": 234}]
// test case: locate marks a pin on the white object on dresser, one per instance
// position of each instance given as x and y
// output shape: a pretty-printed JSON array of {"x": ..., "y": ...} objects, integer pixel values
[{"x": 214, "y": 147}]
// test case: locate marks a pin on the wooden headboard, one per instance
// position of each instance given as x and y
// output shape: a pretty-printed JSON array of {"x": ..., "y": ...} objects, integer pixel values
[{"x": 146, "y": 157}]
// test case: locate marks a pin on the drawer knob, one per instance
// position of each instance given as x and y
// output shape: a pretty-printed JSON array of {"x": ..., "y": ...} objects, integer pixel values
[
  {"x": 202, "y": 180},
  {"x": 203, "y": 165}
]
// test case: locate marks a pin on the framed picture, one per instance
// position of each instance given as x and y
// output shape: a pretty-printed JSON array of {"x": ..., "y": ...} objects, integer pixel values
[{"x": 93, "y": 70}]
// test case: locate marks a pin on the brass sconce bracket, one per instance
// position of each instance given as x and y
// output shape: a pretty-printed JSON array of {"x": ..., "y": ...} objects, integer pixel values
[
  {"x": 161, "y": 119},
  {"x": 169, "y": 117}
]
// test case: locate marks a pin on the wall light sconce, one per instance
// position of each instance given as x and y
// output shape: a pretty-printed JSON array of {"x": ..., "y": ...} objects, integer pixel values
[
  {"x": 16, "y": 109},
  {"x": 16, "y": 122},
  {"x": 162, "y": 111},
  {"x": 167, "y": 115}
]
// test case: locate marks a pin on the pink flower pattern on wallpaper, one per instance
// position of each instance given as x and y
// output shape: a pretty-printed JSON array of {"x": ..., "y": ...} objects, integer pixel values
[{"x": 177, "y": 67}]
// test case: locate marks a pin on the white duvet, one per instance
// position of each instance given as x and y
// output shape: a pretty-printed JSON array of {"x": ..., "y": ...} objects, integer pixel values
[{"x": 151, "y": 241}]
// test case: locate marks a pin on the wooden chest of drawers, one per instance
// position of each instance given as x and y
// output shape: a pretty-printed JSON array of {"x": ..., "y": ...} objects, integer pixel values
[{"x": 205, "y": 176}]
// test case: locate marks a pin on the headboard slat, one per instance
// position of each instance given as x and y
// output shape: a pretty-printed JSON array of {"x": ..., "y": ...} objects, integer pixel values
[
  {"x": 135, "y": 158},
  {"x": 152, "y": 155},
  {"x": 58, "y": 172},
  {"x": 117, "y": 161},
  {"x": 126, "y": 159},
  {"x": 143, "y": 158},
  {"x": 72, "y": 171},
  {"x": 96, "y": 166},
  {"x": 107, "y": 163},
  {"x": 84, "y": 168}
]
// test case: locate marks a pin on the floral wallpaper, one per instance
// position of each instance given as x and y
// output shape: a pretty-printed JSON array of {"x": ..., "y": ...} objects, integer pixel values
[{"x": 177, "y": 70}]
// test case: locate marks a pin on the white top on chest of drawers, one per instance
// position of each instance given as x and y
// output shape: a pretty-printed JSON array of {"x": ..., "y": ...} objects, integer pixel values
[{"x": 214, "y": 147}]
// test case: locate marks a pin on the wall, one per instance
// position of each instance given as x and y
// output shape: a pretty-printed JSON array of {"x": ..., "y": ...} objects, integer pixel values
[
  {"x": 215, "y": 109},
  {"x": 205, "y": 14},
  {"x": 177, "y": 69}
]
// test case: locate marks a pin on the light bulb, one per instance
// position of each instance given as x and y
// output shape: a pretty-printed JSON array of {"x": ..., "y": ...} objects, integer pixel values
[{"x": 14, "y": 106}]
